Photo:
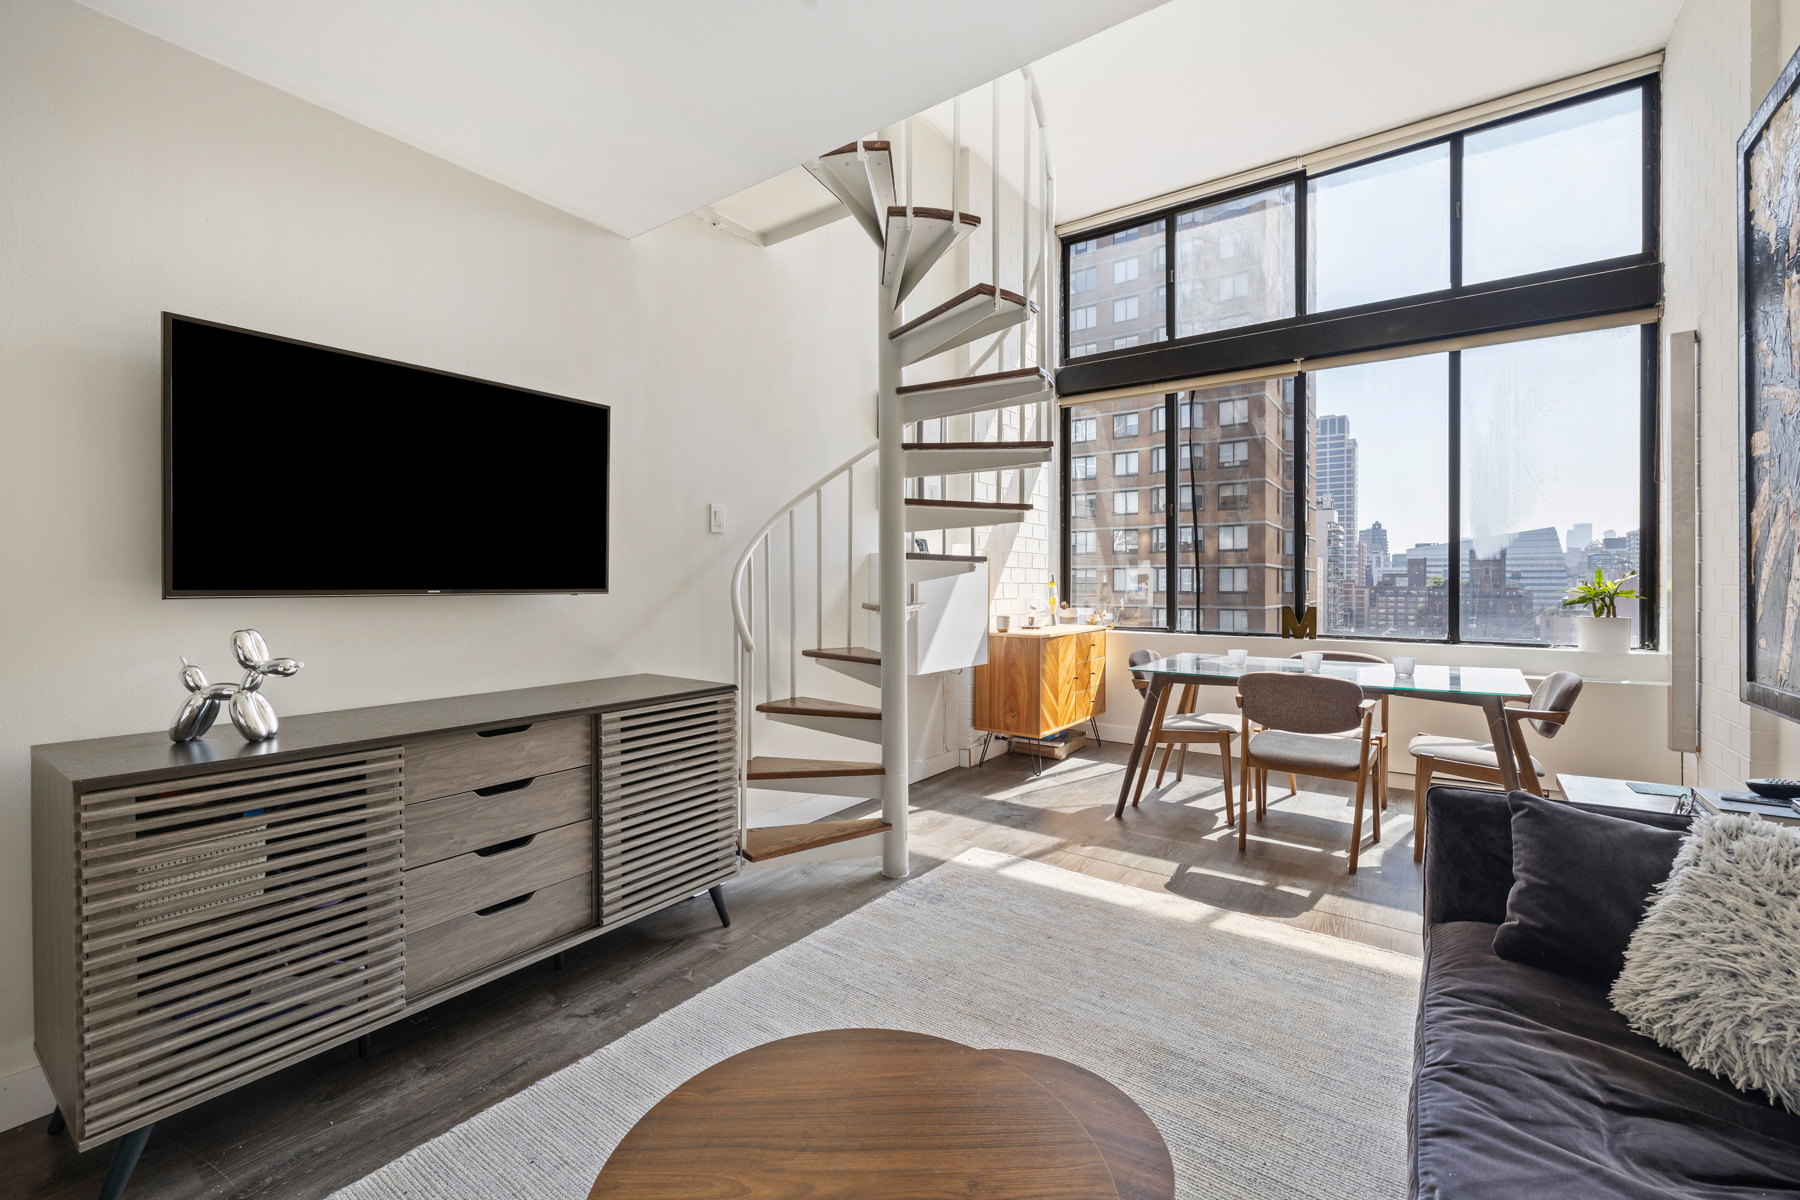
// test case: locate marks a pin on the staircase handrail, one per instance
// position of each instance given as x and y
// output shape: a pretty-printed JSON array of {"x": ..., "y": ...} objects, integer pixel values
[{"x": 743, "y": 562}]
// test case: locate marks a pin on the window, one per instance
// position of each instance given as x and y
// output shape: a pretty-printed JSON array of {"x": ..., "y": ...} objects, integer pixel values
[
  {"x": 1423, "y": 498},
  {"x": 1260, "y": 218},
  {"x": 1187, "y": 579},
  {"x": 1234, "y": 579},
  {"x": 1379, "y": 231},
  {"x": 1083, "y": 466},
  {"x": 1105, "y": 532},
  {"x": 1084, "y": 505},
  {"x": 1555, "y": 190},
  {"x": 1125, "y": 425},
  {"x": 1084, "y": 317},
  {"x": 1125, "y": 541},
  {"x": 1087, "y": 247},
  {"x": 1162, "y": 579},
  {"x": 1550, "y": 442},
  {"x": 1125, "y": 462},
  {"x": 1234, "y": 620},
  {"x": 1187, "y": 537},
  {"x": 1084, "y": 281},
  {"x": 1082, "y": 430},
  {"x": 1125, "y": 503},
  {"x": 1084, "y": 541}
]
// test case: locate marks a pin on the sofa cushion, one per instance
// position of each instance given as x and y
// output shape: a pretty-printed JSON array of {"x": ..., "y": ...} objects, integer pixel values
[
  {"x": 1581, "y": 883},
  {"x": 1528, "y": 1086}
]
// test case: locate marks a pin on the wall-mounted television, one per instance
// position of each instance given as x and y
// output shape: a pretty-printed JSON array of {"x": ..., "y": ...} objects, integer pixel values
[{"x": 291, "y": 469}]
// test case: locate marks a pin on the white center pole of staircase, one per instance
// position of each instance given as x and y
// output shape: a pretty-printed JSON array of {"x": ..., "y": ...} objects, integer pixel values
[
  {"x": 994, "y": 207},
  {"x": 850, "y": 556},
  {"x": 1024, "y": 204},
  {"x": 890, "y": 427},
  {"x": 819, "y": 571},
  {"x": 769, "y": 618},
  {"x": 955, "y": 162},
  {"x": 793, "y": 614},
  {"x": 909, "y": 173}
]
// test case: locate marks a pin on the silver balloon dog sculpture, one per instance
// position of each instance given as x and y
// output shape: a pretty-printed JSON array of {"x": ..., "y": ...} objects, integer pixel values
[{"x": 250, "y": 709}]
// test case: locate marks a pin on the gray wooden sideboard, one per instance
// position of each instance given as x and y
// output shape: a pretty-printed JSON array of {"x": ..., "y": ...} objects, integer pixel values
[{"x": 206, "y": 913}]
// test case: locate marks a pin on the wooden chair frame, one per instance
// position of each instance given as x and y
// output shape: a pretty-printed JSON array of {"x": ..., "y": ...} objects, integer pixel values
[
  {"x": 1429, "y": 765},
  {"x": 1254, "y": 770},
  {"x": 1171, "y": 738}
]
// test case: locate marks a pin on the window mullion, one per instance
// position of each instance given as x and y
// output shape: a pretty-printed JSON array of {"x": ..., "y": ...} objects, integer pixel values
[
  {"x": 1456, "y": 190},
  {"x": 1453, "y": 556}
]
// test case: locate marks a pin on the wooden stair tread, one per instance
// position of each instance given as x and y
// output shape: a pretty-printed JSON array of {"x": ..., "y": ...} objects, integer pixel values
[
  {"x": 850, "y": 148},
  {"x": 980, "y": 289},
  {"x": 977, "y": 445},
  {"x": 924, "y": 557},
  {"x": 974, "y": 380},
  {"x": 767, "y": 767},
  {"x": 932, "y": 214},
  {"x": 971, "y": 505},
  {"x": 811, "y": 706},
  {"x": 773, "y": 841},
  {"x": 855, "y": 654}
]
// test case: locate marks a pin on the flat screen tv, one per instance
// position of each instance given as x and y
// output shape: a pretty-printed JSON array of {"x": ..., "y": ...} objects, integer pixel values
[{"x": 294, "y": 470}]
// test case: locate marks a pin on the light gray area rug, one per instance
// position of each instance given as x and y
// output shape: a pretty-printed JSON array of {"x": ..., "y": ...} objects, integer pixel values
[{"x": 1275, "y": 1061}]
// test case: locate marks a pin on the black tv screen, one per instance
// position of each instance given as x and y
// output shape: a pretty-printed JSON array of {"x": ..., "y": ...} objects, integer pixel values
[{"x": 294, "y": 470}]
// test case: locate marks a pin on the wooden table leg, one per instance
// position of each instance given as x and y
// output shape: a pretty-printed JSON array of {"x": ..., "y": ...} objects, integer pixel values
[
  {"x": 1151, "y": 696},
  {"x": 1501, "y": 739}
]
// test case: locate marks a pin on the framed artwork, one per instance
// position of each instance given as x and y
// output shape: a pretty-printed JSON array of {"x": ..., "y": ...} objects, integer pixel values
[{"x": 1768, "y": 181}]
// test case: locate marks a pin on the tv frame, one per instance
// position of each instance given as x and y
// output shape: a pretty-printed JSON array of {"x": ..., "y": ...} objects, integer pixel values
[{"x": 170, "y": 592}]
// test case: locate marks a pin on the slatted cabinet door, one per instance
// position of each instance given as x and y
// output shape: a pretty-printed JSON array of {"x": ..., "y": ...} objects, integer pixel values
[
  {"x": 230, "y": 924},
  {"x": 668, "y": 803}
]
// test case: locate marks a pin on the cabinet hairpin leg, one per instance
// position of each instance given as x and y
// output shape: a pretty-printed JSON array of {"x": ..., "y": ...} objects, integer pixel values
[
  {"x": 124, "y": 1162},
  {"x": 717, "y": 892},
  {"x": 1094, "y": 725},
  {"x": 556, "y": 961},
  {"x": 363, "y": 1046},
  {"x": 986, "y": 741},
  {"x": 57, "y": 1124}
]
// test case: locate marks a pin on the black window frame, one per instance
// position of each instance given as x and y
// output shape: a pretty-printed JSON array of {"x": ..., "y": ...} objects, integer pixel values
[{"x": 1600, "y": 288}]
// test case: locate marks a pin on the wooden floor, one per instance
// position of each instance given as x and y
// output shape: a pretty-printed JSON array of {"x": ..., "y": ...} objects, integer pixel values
[{"x": 331, "y": 1120}]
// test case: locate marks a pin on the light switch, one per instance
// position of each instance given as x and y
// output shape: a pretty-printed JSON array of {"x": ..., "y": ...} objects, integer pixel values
[{"x": 716, "y": 517}]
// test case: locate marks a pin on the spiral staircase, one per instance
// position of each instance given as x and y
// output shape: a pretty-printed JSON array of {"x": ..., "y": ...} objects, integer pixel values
[{"x": 909, "y": 240}]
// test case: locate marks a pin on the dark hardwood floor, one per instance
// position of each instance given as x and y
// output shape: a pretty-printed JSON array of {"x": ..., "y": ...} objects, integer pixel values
[{"x": 329, "y": 1121}]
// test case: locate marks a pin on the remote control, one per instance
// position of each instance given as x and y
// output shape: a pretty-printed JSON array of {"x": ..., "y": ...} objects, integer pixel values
[{"x": 1775, "y": 789}]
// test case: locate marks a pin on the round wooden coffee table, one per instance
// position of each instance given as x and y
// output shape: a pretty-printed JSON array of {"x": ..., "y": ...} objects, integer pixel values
[{"x": 869, "y": 1113}]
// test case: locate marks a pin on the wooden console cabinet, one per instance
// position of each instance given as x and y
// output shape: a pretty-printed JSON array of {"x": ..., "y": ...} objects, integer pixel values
[
  {"x": 204, "y": 914},
  {"x": 1037, "y": 682}
]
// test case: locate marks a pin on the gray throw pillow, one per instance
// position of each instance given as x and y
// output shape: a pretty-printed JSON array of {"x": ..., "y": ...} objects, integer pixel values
[
  {"x": 1713, "y": 971},
  {"x": 1581, "y": 882}
]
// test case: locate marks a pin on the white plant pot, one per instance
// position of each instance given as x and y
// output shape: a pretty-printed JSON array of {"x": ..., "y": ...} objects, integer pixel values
[{"x": 1603, "y": 635}]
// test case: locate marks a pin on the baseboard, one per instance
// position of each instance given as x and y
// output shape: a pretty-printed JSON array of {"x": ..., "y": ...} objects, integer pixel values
[{"x": 24, "y": 1096}]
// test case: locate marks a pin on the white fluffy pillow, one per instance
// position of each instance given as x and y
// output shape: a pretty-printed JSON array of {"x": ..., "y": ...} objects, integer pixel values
[{"x": 1713, "y": 970}]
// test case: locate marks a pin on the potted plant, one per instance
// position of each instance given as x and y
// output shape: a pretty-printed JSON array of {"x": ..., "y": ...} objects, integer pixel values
[{"x": 1603, "y": 629}]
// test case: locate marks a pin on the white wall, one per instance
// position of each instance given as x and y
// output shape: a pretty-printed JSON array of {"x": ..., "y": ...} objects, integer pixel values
[
  {"x": 1721, "y": 58},
  {"x": 138, "y": 177}
]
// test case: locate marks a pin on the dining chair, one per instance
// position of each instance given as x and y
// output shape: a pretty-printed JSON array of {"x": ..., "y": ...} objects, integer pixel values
[
  {"x": 1465, "y": 758},
  {"x": 1139, "y": 658},
  {"x": 1381, "y": 734},
  {"x": 1184, "y": 727},
  {"x": 1298, "y": 715}
]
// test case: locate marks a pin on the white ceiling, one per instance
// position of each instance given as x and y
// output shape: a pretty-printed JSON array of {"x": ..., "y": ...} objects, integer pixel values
[
  {"x": 628, "y": 113},
  {"x": 1200, "y": 89}
]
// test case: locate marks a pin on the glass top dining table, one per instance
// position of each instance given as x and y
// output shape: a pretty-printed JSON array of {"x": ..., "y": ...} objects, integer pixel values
[{"x": 1486, "y": 687}]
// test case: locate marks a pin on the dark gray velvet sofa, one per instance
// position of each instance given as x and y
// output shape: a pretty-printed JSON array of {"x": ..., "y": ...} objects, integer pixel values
[{"x": 1528, "y": 1086}]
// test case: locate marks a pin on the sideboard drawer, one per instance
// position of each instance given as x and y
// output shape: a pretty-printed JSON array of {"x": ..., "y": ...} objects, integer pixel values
[
  {"x": 462, "y": 762},
  {"x": 462, "y": 885},
  {"x": 440, "y": 829},
  {"x": 448, "y": 952}
]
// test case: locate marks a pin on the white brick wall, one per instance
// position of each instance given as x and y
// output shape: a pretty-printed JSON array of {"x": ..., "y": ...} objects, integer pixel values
[{"x": 1713, "y": 63}]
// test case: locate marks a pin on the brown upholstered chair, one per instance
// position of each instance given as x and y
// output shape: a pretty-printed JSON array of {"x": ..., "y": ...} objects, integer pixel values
[
  {"x": 1298, "y": 715},
  {"x": 1381, "y": 733},
  {"x": 1185, "y": 727},
  {"x": 1466, "y": 758}
]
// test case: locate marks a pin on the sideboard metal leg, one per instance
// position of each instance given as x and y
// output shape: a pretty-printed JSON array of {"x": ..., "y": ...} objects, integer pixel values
[
  {"x": 124, "y": 1162},
  {"x": 717, "y": 892},
  {"x": 556, "y": 961},
  {"x": 57, "y": 1124},
  {"x": 363, "y": 1045}
]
